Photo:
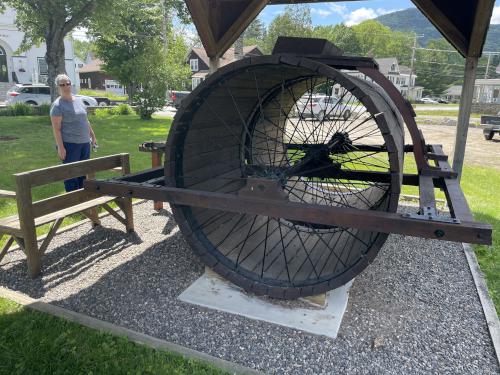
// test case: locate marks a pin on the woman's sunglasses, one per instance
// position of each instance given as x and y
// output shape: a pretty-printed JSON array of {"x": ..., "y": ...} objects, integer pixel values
[{"x": 65, "y": 84}]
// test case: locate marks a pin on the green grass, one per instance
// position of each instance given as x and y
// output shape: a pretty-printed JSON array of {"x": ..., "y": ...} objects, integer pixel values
[
  {"x": 35, "y": 148},
  {"x": 105, "y": 94},
  {"x": 443, "y": 112},
  {"x": 35, "y": 343}
]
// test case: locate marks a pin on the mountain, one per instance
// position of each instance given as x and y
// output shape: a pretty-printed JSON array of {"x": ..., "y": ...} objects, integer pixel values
[{"x": 414, "y": 21}]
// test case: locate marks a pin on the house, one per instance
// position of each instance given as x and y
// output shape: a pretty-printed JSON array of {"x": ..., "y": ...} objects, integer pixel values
[
  {"x": 486, "y": 91},
  {"x": 453, "y": 93},
  {"x": 93, "y": 77},
  {"x": 199, "y": 61},
  {"x": 26, "y": 67},
  {"x": 401, "y": 76}
]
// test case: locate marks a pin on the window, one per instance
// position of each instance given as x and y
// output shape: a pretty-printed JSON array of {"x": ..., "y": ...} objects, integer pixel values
[
  {"x": 193, "y": 63},
  {"x": 43, "y": 69},
  {"x": 28, "y": 90},
  {"x": 195, "y": 81},
  {"x": 44, "y": 90}
]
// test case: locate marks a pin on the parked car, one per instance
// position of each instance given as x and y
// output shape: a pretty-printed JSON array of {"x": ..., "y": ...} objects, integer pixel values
[
  {"x": 429, "y": 101},
  {"x": 176, "y": 97},
  {"x": 322, "y": 106},
  {"x": 442, "y": 101},
  {"x": 38, "y": 94}
]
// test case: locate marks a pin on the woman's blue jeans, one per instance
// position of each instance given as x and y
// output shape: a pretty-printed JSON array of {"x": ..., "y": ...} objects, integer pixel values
[{"x": 75, "y": 152}]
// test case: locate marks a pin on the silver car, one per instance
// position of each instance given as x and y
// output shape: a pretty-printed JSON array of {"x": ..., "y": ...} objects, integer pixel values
[{"x": 38, "y": 94}]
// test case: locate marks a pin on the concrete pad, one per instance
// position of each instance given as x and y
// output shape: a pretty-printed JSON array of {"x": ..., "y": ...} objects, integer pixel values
[{"x": 213, "y": 292}]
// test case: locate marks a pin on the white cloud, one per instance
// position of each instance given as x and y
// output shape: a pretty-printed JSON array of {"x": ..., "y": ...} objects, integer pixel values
[
  {"x": 362, "y": 14},
  {"x": 336, "y": 8},
  {"x": 321, "y": 12},
  {"x": 495, "y": 19}
]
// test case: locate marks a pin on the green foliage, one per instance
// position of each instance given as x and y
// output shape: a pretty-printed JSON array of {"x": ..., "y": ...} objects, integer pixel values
[
  {"x": 437, "y": 70},
  {"x": 21, "y": 109},
  {"x": 105, "y": 94},
  {"x": 119, "y": 110},
  {"x": 142, "y": 60},
  {"x": 295, "y": 21},
  {"x": 37, "y": 343},
  {"x": 255, "y": 33},
  {"x": 82, "y": 48},
  {"x": 342, "y": 36}
]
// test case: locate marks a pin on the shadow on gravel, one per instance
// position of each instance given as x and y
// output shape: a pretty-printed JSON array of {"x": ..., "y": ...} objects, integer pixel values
[{"x": 66, "y": 262}]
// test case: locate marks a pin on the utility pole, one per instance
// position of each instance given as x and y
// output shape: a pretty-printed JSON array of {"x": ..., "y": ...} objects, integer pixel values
[
  {"x": 412, "y": 62},
  {"x": 487, "y": 66},
  {"x": 164, "y": 25}
]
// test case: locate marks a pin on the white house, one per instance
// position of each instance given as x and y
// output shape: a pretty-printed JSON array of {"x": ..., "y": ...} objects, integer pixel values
[
  {"x": 400, "y": 75},
  {"x": 25, "y": 67},
  {"x": 487, "y": 90}
]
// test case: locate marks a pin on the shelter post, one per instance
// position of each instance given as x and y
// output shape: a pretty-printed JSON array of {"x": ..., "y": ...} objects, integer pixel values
[
  {"x": 464, "y": 113},
  {"x": 214, "y": 64}
]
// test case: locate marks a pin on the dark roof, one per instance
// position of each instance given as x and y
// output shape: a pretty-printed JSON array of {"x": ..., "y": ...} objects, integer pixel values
[
  {"x": 228, "y": 57},
  {"x": 91, "y": 67}
]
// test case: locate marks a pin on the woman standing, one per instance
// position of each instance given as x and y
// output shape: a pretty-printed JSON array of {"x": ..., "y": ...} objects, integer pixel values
[{"x": 72, "y": 129}]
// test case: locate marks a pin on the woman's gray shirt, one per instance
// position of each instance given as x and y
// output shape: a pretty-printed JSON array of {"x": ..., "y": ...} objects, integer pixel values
[{"x": 74, "y": 124}]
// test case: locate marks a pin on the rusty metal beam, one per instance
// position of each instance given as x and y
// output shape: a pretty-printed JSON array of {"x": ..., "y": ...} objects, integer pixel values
[{"x": 376, "y": 221}]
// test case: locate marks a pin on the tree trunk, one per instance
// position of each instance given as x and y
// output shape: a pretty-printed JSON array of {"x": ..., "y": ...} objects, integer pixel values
[{"x": 55, "y": 62}]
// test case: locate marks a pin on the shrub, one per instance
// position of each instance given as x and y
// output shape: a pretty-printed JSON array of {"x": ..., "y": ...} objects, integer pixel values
[
  {"x": 123, "y": 110},
  {"x": 21, "y": 109},
  {"x": 43, "y": 109},
  {"x": 119, "y": 110}
]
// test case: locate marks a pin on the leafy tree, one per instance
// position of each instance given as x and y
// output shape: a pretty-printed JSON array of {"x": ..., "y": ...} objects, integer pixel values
[
  {"x": 295, "y": 21},
  {"x": 82, "y": 48},
  {"x": 51, "y": 22},
  {"x": 140, "y": 57},
  {"x": 436, "y": 69},
  {"x": 342, "y": 36},
  {"x": 255, "y": 33}
]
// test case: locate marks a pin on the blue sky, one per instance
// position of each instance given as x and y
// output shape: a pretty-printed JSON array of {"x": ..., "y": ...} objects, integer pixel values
[{"x": 352, "y": 12}]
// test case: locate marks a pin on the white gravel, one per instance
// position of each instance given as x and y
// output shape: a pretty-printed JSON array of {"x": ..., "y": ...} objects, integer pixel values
[{"x": 415, "y": 310}]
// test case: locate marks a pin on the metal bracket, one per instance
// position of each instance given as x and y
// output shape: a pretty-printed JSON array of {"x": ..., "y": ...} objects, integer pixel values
[{"x": 430, "y": 214}]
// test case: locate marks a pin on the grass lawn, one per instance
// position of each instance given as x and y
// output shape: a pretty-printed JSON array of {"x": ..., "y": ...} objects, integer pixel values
[
  {"x": 35, "y": 343},
  {"x": 443, "y": 112}
]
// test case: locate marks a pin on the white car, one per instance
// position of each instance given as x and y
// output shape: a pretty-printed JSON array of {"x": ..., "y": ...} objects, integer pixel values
[
  {"x": 38, "y": 94},
  {"x": 429, "y": 101},
  {"x": 322, "y": 106}
]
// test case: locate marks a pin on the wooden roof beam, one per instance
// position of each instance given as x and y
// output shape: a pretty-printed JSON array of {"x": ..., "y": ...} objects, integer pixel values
[
  {"x": 443, "y": 24},
  {"x": 201, "y": 14},
  {"x": 482, "y": 18},
  {"x": 237, "y": 28}
]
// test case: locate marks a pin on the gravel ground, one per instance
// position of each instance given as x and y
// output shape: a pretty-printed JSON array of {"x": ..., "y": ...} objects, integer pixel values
[{"x": 415, "y": 310}]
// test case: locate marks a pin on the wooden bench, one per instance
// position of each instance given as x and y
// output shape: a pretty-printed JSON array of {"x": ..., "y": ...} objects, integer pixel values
[{"x": 21, "y": 228}]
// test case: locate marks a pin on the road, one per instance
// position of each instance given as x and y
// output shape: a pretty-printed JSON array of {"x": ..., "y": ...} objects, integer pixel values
[{"x": 478, "y": 151}]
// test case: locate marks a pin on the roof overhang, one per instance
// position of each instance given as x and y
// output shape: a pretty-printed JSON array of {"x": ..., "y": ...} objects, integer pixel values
[{"x": 221, "y": 22}]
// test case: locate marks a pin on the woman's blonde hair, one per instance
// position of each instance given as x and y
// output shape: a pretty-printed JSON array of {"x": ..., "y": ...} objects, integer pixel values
[{"x": 62, "y": 77}]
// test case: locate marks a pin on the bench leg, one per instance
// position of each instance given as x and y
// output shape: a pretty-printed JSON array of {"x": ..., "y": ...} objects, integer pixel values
[
  {"x": 6, "y": 247},
  {"x": 93, "y": 215},
  {"x": 126, "y": 206},
  {"x": 33, "y": 256}
]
